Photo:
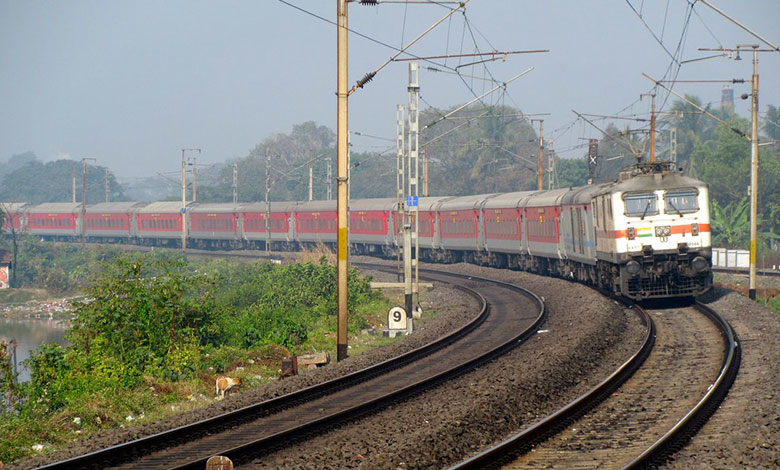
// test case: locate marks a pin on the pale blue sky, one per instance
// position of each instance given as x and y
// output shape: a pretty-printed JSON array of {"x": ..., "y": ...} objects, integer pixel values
[{"x": 130, "y": 83}]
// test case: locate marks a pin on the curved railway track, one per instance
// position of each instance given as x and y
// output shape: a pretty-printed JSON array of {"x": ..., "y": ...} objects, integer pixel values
[
  {"x": 509, "y": 315},
  {"x": 669, "y": 397}
]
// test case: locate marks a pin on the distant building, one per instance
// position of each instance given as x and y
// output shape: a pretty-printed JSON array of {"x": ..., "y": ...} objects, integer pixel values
[
  {"x": 727, "y": 99},
  {"x": 5, "y": 263}
]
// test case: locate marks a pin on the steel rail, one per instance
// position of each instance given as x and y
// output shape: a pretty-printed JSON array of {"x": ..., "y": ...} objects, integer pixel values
[
  {"x": 558, "y": 420},
  {"x": 121, "y": 452},
  {"x": 108, "y": 455},
  {"x": 327, "y": 422},
  {"x": 690, "y": 424}
]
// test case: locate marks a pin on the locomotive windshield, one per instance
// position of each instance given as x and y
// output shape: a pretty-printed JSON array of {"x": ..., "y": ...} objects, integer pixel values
[
  {"x": 679, "y": 202},
  {"x": 641, "y": 205}
]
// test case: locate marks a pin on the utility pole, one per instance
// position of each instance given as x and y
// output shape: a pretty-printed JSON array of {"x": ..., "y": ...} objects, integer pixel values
[
  {"x": 753, "y": 151},
  {"x": 84, "y": 199},
  {"x": 311, "y": 177},
  {"x": 341, "y": 164},
  {"x": 195, "y": 177},
  {"x": 540, "y": 185},
  {"x": 235, "y": 183},
  {"x": 673, "y": 144},
  {"x": 183, "y": 201},
  {"x": 400, "y": 180},
  {"x": 108, "y": 188},
  {"x": 74, "y": 185},
  {"x": 330, "y": 179},
  {"x": 550, "y": 165},
  {"x": 425, "y": 171},
  {"x": 652, "y": 124},
  {"x": 412, "y": 223},
  {"x": 267, "y": 201},
  {"x": 753, "y": 173}
]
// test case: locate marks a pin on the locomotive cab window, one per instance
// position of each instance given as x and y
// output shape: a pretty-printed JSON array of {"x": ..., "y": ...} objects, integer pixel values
[
  {"x": 641, "y": 204},
  {"x": 681, "y": 202}
]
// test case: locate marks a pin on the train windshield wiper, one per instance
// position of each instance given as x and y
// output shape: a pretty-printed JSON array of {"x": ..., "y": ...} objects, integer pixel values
[
  {"x": 674, "y": 207},
  {"x": 644, "y": 213}
]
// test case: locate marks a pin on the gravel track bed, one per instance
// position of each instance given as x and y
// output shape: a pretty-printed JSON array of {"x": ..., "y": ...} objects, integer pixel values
[
  {"x": 685, "y": 360},
  {"x": 587, "y": 337},
  {"x": 454, "y": 308},
  {"x": 745, "y": 431}
]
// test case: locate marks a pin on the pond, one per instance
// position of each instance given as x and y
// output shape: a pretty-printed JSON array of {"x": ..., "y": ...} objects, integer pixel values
[{"x": 30, "y": 333}]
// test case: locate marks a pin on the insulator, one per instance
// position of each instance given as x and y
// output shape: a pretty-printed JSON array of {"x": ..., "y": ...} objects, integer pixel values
[
  {"x": 366, "y": 79},
  {"x": 369, "y": 2}
]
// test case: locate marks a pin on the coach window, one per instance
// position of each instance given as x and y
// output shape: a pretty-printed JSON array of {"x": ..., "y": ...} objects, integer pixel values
[
  {"x": 641, "y": 204},
  {"x": 680, "y": 202}
]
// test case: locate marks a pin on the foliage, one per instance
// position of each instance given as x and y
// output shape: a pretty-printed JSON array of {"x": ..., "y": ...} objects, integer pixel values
[
  {"x": 26, "y": 183},
  {"x": 571, "y": 172},
  {"x": 60, "y": 268}
]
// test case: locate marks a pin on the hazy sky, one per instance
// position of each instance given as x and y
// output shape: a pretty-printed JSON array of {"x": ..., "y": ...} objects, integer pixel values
[{"x": 130, "y": 83}]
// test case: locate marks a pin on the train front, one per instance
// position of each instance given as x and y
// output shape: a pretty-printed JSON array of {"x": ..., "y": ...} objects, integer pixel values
[{"x": 664, "y": 245}]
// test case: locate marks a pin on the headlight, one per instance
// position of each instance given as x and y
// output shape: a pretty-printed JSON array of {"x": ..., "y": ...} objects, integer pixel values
[
  {"x": 633, "y": 268},
  {"x": 700, "y": 264},
  {"x": 663, "y": 231}
]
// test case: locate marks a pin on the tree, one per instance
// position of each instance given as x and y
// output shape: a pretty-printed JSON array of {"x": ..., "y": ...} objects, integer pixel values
[
  {"x": 571, "y": 172},
  {"x": 771, "y": 126},
  {"x": 37, "y": 182},
  {"x": 693, "y": 127}
]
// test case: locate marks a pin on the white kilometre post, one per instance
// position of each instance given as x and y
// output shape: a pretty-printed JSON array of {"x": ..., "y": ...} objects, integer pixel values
[
  {"x": 399, "y": 179},
  {"x": 413, "y": 180}
]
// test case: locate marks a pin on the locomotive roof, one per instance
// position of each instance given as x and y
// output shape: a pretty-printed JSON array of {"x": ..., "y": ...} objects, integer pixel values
[
  {"x": 103, "y": 207},
  {"x": 654, "y": 182},
  {"x": 162, "y": 206},
  {"x": 55, "y": 208}
]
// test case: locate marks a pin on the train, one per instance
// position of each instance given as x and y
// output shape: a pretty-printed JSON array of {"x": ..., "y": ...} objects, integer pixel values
[{"x": 645, "y": 235}]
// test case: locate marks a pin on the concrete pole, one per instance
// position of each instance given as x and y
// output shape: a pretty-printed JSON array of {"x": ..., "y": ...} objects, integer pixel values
[
  {"x": 652, "y": 128},
  {"x": 425, "y": 171},
  {"x": 330, "y": 179},
  {"x": 267, "y": 202},
  {"x": 414, "y": 180},
  {"x": 550, "y": 165},
  {"x": 183, "y": 202},
  {"x": 341, "y": 164},
  {"x": 195, "y": 178},
  {"x": 311, "y": 178},
  {"x": 74, "y": 185},
  {"x": 754, "y": 177},
  {"x": 83, "y": 200},
  {"x": 400, "y": 181},
  {"x": 673, "y": 144},
  {"x": 108, "y": 188},
  {"x": 235, "y": 183},
  {"x": 540, "y": 172}
]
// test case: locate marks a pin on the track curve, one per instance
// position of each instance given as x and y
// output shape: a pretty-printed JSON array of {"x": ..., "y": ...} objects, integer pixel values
[{"x": 509, "y": 315}]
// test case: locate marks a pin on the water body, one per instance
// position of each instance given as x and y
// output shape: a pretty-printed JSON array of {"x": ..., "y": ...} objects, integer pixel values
[{"x": 30, "y": 333}]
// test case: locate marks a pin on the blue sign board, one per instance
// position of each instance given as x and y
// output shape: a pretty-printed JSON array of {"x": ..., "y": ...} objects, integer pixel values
[
  {"x": 183, "y": 210},
  {"x": 411, "y": 201}
]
